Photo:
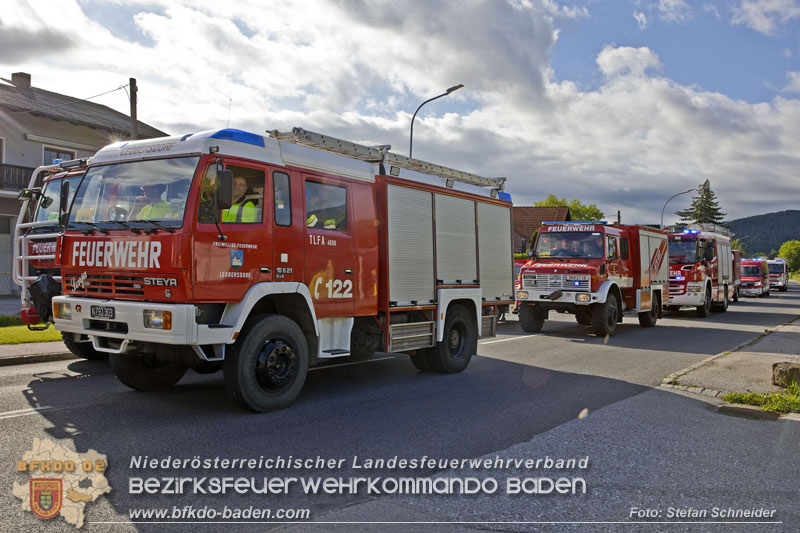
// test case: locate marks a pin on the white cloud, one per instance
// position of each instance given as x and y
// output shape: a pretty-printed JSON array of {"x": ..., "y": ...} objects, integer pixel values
[
  {"x": 766, "y": 16},
  {"x": 787, "y": 52},
  {"x": 557, "y": 10},
  {"x": 674, "y": 10},
  {"x": 794, "y": 82},
  {"x": 625, "y": 60},
  {"x": 641, "y": 19},
  {"x": 357, "y": 70},
  {"x": 711, "y": 8}
]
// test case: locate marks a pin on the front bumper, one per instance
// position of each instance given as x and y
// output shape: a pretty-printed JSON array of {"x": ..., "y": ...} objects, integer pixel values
[
  {"x": 545, "y": 297},
  {"x": 127, "y": 327},
  {"x": 751, "y": 291}
]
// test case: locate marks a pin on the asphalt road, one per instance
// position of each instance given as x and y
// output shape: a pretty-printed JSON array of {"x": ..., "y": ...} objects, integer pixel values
[{"x": 647, "y": 448}]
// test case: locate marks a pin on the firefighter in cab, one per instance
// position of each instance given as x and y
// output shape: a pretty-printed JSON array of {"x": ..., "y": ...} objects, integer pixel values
[{"x": 242, "y": 209}]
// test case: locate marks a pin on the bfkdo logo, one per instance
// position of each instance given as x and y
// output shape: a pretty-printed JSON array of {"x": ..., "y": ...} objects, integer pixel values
[{"x": 46, "y": 497}]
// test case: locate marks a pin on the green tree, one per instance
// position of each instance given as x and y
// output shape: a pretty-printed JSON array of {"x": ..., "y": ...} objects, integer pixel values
[
  {"x": 705, "y": 207},
  {"x": 790, "y": 250},
  {"x": 736, "y": 244},
  {"x": 577, "y": 210}
]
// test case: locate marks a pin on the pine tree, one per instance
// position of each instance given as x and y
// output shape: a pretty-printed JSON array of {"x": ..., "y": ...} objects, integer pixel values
[{"x": 705, "y": 207}]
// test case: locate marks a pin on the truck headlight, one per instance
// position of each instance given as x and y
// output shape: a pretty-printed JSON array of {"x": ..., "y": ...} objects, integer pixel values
[
  {"x": 62, "y": 310},
  {"x": 522, "y": 295},
  {"x": 583, "y": 297},
  {"x": 157, "y": 319}
]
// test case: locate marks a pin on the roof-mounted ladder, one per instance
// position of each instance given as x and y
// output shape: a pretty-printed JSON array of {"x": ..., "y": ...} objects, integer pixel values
[{"x": 381, "y": 154}]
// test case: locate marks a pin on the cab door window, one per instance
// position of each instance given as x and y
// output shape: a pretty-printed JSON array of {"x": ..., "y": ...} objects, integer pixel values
[
  {"x": 326, "y": 206},
  {"x": 248, "y": 196},
  {"x": 611, "y": 247}
]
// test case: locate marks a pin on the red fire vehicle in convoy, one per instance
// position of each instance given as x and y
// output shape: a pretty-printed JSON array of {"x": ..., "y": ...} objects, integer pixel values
[
  {"x": 34, "y": 247},
  {"x": 262, "y": 255},
  {"x": 701, "y": 269},
  {"x": 778, "y": 274},
  {"x": 596, "y": 272},
  {"x": 755, "y": 277}
]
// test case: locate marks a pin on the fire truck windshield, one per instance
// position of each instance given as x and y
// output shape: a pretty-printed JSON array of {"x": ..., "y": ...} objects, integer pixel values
[
  {"x": 682, "y": 252},
  {"x": 136, "y": 191},
  {"x": 571, "y": 244},
  {"x": 776, "y": 268},
  {"x": 751, "y": 271}
]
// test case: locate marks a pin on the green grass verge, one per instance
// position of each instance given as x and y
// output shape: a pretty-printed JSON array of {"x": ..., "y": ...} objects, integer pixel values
[
  {"x": 21, "y": 334},
  {"x": 787, "y": 401},
  {"x": 10, "y": 321},
  {"x": 795, "y": 276}
]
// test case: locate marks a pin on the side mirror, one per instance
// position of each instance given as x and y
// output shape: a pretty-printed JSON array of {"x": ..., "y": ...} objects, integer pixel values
[
  {"x": 531, "y": 253},
  {"x": 63, "y": 203}
]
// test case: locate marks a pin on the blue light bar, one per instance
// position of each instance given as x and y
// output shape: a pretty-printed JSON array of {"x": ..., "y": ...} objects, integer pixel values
[
  {"x": 679, "y": 278},
  {"x": 691, "y": 231},
  {"x": 231, "y": 134},
  {"x": 504, "y": 196},
  {"x": 576, "y": 283}
]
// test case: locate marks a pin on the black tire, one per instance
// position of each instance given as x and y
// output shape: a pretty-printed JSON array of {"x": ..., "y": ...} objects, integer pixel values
[
  {"x": 364, "y": 341},
  {"x": 149, "y": 372},
  {"x": 584, "y": 318},
  {"x": 767, "y": 293},
  {"x": 459, "y": 343},
  {"x": 736, "y": 294},
  {"x": 784, "y": 288},
  {"x": 673, "y": 308},
  {"x": 648, "y": 319},
  {"x": 267, "y": 366},
  {"x": 605, "y": 316},
  {"x": 84, "y": 350},
  {"x": 705, "y": 309},
  {"x": 723, "y": 307},
  {"x": 419, "y": 358},
  {"x": 531, "y": 318}
]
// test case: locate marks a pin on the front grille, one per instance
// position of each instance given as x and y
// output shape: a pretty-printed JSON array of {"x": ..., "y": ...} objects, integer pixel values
[
  {"x": 109, "y": 285},
  {"x": 105, "y": 325},
  {"x": 676, "y": 289},
  {"x": 554, "y": 281}
]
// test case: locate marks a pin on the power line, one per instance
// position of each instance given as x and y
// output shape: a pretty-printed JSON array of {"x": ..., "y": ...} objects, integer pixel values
[{"x": 75, "y": 101}]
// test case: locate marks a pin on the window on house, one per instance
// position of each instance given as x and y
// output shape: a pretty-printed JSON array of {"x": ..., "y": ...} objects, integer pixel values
[{"x": 56, "y": 153}]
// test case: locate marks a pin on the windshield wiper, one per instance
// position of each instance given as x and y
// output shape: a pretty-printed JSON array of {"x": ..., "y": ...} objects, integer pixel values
[
  {"x": 94, "y": 227},
  {"x": 158, "y": 226},
  {"x": 124, "y": 225}
]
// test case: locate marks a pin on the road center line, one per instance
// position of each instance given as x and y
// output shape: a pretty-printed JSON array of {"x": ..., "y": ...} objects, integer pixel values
[{"x": 510, "y": 339}]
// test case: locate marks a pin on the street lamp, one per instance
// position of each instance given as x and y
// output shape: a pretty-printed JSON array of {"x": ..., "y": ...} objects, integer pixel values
[
  {"x": 448, "y": 91},
  {"x": 665, "y": 205}
]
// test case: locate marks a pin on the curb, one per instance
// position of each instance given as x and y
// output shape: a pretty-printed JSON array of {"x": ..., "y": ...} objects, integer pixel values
[{"x": 36, "y": 358}]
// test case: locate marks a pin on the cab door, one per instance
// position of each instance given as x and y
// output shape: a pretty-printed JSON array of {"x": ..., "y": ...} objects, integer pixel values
[
  {"x": 225, "y": 268},
  {"x": 329, "y": 247}
]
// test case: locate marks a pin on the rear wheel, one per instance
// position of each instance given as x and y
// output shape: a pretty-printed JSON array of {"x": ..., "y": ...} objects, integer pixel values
[
  {"x": 705, "y": 309},
  {"x": 149, "y": 372},
  {"x": 784, "y": 288},
  {"x": 736, "y": 294},
  {"x": 648, "y": 319},
  {"x": 605, "y": 316},
  {"x": 724, "y": 305},
  {"x": 531, "y": 318},
  {"x": 459, "y": 343},
  {"x": 84, "y": 349},
  {"x": 267, "y": 366}
]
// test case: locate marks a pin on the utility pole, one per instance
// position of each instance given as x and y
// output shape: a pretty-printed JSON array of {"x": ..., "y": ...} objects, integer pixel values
[{"x": 134, "y": 132}]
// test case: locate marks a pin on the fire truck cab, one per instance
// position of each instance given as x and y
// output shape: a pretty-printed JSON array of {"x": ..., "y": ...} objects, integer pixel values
[
  {"x": 701, "y": 269},
  {"x": 778, "y": 274},
  {"x": 755, "y": 277},
  {"x": 596, "y": 272},
  {"x": 261, "y": 256}
]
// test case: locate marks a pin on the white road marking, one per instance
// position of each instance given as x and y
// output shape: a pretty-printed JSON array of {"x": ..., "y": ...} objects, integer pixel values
[
  {"x": 23, "y": 412},
  {"x": 510, "y": 339}
]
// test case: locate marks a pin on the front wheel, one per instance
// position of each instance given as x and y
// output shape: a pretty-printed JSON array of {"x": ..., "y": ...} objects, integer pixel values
[
  {"x": 268, "y": 364},
  {"x": 705, "y": 309},
  {"x": 584, "y": 317},
  {"x": 148, "y": 372},
  {"x": 531, "y": 318},
  {"x": 605, "y": 316}
]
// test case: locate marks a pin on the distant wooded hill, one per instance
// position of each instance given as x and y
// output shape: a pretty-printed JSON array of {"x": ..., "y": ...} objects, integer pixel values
[{"x": 766, "y": 233}]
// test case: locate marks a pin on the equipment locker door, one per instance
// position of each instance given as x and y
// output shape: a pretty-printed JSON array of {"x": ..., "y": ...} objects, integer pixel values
[{"x": 329, "y": 256}]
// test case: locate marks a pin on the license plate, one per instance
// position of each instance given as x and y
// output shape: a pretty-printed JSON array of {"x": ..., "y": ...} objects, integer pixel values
[{"x": 102, "y": 311}]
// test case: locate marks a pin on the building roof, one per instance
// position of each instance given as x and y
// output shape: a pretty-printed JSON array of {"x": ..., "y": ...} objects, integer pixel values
[
  {"x": 526, "y": 220},
  {"x": 16, "y": 96}
]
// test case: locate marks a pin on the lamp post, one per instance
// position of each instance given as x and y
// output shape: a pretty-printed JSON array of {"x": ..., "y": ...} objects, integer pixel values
[
  {"x": 665, "y": 205},
  {"x": 448, "y": 91}
]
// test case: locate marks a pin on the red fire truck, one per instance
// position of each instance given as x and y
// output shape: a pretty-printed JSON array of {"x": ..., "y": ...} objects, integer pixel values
[
  {"x": 263, "y": 255},
  {"x": 34, "y": 247},
  {"x": 701, "y": 269},
  {"x": 755, "y": 277},
  {"x": 596, "y": 272}
]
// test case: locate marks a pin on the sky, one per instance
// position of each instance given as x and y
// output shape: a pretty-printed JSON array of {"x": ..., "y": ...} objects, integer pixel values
[{"x": 621, "y": 103}]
